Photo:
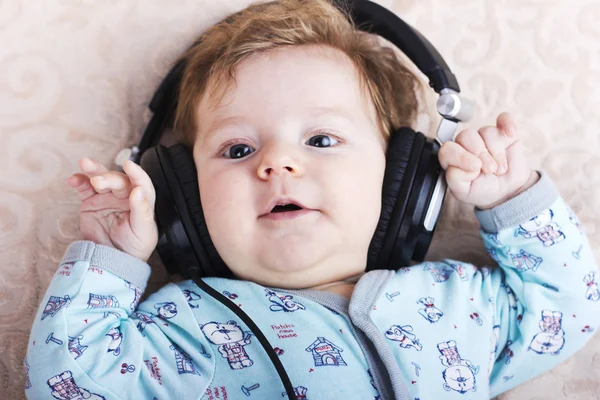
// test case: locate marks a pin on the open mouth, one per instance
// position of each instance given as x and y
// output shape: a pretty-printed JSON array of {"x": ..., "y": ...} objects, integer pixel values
[
  {"x": 286, "y": 212},
  {"x": 287, "y": 207}
]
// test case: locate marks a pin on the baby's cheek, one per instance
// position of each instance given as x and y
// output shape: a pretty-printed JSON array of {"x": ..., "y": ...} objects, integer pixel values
[
  {"x": 356, "y": 218},
  {"x": 228, "y": 207},
  {"x": 228, "y": 230}
]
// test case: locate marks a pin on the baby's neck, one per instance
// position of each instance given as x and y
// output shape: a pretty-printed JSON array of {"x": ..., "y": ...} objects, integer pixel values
[{"x": 343, "y": 288}]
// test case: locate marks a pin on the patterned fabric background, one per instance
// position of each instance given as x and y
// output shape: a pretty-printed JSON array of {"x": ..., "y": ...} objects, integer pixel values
[{"x": 76, "y": 77}]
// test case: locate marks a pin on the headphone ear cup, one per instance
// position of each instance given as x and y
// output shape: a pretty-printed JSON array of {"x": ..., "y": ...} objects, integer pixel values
[
  {"x": 183, "y": 235},
  {"x": 404, "y": 150},
  {"x": 165, "y": 216},
  {"x": 187, "y": 176}
]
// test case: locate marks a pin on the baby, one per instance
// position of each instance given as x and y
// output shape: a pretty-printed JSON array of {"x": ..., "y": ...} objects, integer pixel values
[{"x": 304, "y": 118}]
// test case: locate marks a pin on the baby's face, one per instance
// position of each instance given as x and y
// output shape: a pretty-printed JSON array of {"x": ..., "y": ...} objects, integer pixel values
[{"x": 296, "y": 124}]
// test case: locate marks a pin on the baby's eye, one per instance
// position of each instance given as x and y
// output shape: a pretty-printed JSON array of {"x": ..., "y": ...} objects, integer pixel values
[
  {"x": 239, "y": 150},
  {"x": 322, "y": 141}
]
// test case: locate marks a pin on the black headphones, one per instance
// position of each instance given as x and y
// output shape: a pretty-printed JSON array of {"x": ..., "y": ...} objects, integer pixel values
[{"x": 413, "y": 187}]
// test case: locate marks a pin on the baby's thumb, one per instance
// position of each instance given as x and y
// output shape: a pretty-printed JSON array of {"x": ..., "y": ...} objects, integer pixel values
[{"x": 141, "y": 215}]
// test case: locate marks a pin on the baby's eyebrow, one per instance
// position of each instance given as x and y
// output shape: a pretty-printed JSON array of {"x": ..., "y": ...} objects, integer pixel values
[
  {"x": 320, "y": 111},
  {"x": 312, "y": 112},
  {"x": 219, "y": 124}
]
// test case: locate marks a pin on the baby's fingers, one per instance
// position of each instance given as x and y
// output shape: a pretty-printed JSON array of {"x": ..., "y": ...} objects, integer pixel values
[
  {"x": 496, "y": 144},
  {"x": 141, "y": 217},
  {"x": 112, "y": 181},
  {"x": 459, "y": 181},
  {"x": 452, "y": 154},
  {"x": 91, "y": 168},
  {"x": 139, "y": 177},
  {"x": 471, "y": 141},
  {"x": 506, "y": 123},
  {"x": 81, "y": 183}
]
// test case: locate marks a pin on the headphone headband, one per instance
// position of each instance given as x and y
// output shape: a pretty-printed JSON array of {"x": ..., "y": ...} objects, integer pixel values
[
  {"x": 373, "y": 18},
  {"x": 367, "y": 16}
]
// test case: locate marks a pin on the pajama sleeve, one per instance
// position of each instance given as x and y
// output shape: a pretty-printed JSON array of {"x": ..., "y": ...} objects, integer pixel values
[
  {"x": 544, "y": 297},
  {"x": 92, "y": 340}
]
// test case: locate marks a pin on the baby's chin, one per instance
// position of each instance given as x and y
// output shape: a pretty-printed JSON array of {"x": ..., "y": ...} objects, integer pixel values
[{"x": 299, "y": 276}]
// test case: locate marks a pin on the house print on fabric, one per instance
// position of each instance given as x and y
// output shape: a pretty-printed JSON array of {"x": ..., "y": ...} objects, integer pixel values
[
  {"x": 183, "y": 361},
  {"x": 326, "y": 353},
  {"x": 54, "y": 305}
]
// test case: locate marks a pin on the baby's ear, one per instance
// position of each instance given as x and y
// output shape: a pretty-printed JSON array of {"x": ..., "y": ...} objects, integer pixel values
[{"x": 231, "y": 323}]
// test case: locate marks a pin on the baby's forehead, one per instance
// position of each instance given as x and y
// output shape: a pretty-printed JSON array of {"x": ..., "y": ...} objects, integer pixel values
[
  {"x": 292, "y": 86},
  {"x": 317, "y": 67},
  {"x": 218, "y": 109}
]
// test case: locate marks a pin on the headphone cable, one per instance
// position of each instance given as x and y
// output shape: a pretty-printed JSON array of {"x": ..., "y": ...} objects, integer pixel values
[{"x": 255, "y": 330}]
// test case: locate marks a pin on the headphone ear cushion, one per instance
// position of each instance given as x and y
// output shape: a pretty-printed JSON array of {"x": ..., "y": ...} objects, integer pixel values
[
  {"x": 184, "y": 170},
  {"x": 394, "y": 192}
]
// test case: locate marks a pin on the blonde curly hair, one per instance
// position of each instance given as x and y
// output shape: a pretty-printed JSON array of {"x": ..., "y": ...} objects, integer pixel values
[{"x": 261, "y": 27}]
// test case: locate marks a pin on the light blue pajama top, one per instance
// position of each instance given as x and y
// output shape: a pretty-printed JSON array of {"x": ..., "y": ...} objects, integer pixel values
[{"x": 436, "y": 330}]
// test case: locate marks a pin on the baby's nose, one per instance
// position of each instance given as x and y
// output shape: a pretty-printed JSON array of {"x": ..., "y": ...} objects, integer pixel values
[{"x": 280, "y": 160}]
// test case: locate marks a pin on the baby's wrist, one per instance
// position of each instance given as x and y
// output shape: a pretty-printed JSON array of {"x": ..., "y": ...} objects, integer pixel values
[
  {"x": 534, "y": 176},
  {"x": 141, "y": 254}
]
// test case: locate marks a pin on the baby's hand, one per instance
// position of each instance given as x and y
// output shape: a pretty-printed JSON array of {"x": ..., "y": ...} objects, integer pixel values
[
  {"x": 486, "y": 167},
  {"x": 117, "y": 209}
]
